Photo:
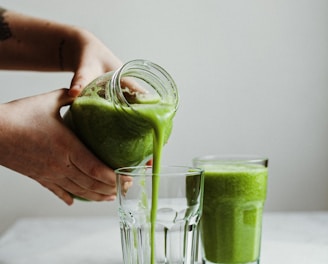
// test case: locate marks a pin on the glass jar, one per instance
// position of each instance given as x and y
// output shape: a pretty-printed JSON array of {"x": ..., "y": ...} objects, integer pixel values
[{"x": 117, "y": 114}]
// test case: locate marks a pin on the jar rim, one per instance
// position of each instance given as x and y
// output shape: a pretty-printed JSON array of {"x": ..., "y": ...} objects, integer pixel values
[
  {"x": 156, "y": 76},
  {"x": 232, "y": 159}
]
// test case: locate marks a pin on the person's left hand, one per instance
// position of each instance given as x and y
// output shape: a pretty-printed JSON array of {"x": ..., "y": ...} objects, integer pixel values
[{"x": 34, "y": 141}]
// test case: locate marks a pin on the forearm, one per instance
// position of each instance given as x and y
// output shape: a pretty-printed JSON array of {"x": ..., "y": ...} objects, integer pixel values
[{"x": 28, "y": 43}]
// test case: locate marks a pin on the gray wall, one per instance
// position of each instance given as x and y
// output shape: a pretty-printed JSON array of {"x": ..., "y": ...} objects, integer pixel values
[{"x": 252, "y": 76}]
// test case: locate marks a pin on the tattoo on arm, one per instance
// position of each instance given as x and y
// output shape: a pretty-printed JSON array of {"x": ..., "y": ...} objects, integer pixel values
[
  {"x": 60, "y": 54},
  {"x": 5, "y": 32}
]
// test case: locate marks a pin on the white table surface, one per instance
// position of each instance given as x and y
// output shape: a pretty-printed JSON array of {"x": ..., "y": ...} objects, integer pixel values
[{"x": 288, "y": 238}]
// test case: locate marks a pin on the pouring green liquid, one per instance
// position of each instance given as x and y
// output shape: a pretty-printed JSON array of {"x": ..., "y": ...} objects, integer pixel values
[
  {"x": 126, "y": 128},
  {"x": 152, "y": 122}
]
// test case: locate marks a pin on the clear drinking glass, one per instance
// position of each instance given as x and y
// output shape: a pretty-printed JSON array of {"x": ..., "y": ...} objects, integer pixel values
[
  {"x": 234, "y": 194},
  {"x": 159, "y": 226}
]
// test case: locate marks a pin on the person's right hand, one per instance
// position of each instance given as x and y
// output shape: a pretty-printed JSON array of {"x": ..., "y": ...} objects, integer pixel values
[
  {"x": 35, "y": 142},
  {"x": 90, "y": 59}
]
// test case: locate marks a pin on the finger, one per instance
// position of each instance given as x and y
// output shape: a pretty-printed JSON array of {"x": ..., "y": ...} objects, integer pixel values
[
  {"x": 57, "y": 99},
  {"x": 59, "y": 192},
  {"x": 94, "y": 168},
  {"x": 82, "y": 77},
  {"x": 79, "y": 81},
  {"x": 126, "y": 183},
  {"x": 132, "y": 85},
  {"x": 76, "y": 190},
  {"x": 52, "y": 100},
  {"x": 90, "y": 184},
  {"x": 63, "y": 96},
  {"x": 126, "y": 186},
  {"x": 62, "y": 194}
]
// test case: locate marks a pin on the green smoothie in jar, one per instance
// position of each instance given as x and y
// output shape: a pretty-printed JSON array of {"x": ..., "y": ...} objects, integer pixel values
[{"x": 117, "y": 124}]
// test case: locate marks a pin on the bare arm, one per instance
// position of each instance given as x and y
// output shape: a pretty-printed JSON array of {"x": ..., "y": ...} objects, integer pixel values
[
  {"x": 33, "y": 139},
  {"x": 29, "y": 43}
]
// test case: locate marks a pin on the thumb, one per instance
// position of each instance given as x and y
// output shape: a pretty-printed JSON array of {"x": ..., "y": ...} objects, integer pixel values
[
  {"x": 80, "y": 79},
  {"x": 62, "y": 97},
  {"x": 56, "y": 99},
  {"x": 53, "y": 101}
]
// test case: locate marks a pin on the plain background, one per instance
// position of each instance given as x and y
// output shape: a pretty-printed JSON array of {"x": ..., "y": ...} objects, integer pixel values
[{"x": 252, "y": 77}]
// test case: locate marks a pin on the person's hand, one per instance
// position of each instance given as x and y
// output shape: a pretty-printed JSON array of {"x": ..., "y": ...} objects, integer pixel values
[
  {"x": 35, "y": 142},
  {"x": 91, "y": 60}
]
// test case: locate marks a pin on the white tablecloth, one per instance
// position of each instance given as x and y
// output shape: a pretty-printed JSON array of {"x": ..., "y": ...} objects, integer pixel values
[{"x": 288, "y": 238}]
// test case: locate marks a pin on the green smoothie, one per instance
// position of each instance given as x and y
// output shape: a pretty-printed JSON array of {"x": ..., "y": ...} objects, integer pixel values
[
  {"x": 126, "y": 127},
  {"x": 231, "y": 223},
  {"x": 119, "y": 136},
  {"x": 125, "y": 135}
]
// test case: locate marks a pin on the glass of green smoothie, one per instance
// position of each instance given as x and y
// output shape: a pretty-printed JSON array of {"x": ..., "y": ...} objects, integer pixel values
[
  {"x": 234, "y": 194},
  {"x": 169, "y": 235}
]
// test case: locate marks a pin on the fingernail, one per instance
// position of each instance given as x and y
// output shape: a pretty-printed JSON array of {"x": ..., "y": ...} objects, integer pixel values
[
  {"x": 75, "y": 90},
  {"x": 111, "y": 198},
  {"x": 127, "y": 185}
]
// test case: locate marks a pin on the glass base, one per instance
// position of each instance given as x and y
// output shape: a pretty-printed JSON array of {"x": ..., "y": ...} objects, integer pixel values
[{"x": 208, "y": 262}]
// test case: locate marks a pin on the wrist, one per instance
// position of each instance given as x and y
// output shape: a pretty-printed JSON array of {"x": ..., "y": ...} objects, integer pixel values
[{"x": 71, "y": 48}]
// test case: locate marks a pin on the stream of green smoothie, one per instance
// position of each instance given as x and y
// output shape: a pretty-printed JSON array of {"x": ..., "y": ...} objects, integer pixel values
[{"x": 123, "y": 137}]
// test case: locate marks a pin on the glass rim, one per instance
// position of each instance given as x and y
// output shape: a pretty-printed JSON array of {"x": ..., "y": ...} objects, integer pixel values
[
  {"x": 135, "y": 171},
  {"x": 230, "y": 158}
]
